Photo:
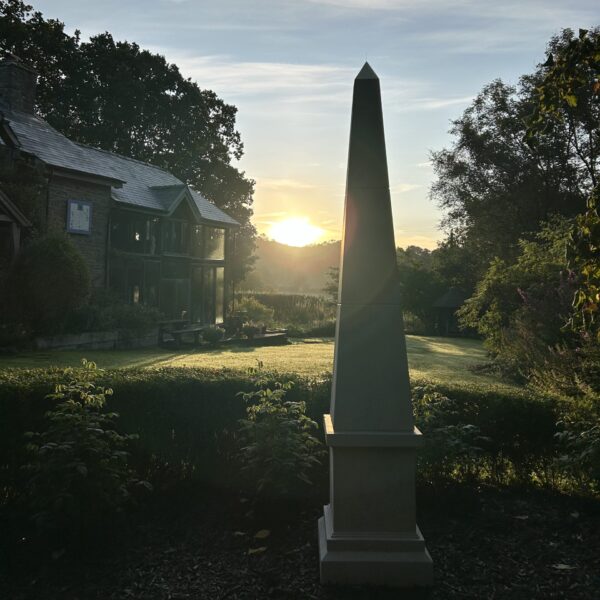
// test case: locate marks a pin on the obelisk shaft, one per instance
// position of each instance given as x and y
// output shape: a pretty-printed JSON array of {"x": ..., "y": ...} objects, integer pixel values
[
  {"x": 370, "y": 383},
  {"x": 368, "y": 267}
]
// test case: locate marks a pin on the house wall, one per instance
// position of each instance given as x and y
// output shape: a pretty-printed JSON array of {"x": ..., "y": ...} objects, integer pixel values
[{"x": 93, "y": 247}]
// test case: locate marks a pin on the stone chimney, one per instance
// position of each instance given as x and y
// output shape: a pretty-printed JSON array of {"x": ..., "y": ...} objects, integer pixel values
[{"x": 18, "y": 84}]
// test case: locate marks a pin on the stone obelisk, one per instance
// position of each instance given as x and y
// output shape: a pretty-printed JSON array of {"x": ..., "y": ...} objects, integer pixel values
[{"x": 368, "y": 534}]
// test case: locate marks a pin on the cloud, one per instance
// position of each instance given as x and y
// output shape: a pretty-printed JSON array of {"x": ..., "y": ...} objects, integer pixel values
[
  {"x": 402, "y": 188},
  {"x": 424, "y": 241},
  {"x": 301, "y": 90},
  {"x": 279, "y": 184},
  {"x": 232, "y": 77},
  {"x": 539, "y": 12},
  {"x": 425, "y": 165},
  {"x": 435, "y": 103},
  {"x": 280, "y": 213},
  {"x": 387, "y": 5}
]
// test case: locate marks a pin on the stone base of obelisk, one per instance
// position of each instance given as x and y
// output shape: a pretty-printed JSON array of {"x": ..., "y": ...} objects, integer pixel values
[
  {"x": 397, "y": 562},
  {"x": 368, "y": 533}
]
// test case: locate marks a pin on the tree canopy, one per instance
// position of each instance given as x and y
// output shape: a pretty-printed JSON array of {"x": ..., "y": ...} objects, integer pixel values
[
  {"x": 569, "y": 95},
  {"x": 116, "y": 96},
  {"x": 495, "y": 185}
]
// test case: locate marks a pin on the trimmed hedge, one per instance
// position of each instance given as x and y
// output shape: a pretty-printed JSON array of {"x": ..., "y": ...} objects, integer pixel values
[
  {"x": 178, "y": 413},
  {"x": 515, "y": 431},
  {"x": 181, "y": 414}
]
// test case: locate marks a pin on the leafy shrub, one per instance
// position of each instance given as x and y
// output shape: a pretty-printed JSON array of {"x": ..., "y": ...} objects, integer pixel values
[
  {"x": 49, "y": 279},
  {"x": 234, "y": 323},
  {"x": 213, "y": 335},
  {"x": 451, "y": 448},
  {"x": 581, "y": 456},
  {"x": 414, "y": 325},
  {"x": 317, "y": 329},
  {"x": 255, "y": 311},
  {"x": 452, "y": 451},
  {"x": 77, "y": 471},
  {"x": 521, "y": 308},
  {"x": 251, "y": 330},
  {"x": 293, "y": 309},
  {"x": 572, "y": 374},
  {"x": 107, "y": 312},
  {"x": 278, "y": 450}
]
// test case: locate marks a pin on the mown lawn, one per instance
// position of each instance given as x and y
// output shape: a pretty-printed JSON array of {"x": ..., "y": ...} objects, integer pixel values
[{"x": 446, "y": 360}]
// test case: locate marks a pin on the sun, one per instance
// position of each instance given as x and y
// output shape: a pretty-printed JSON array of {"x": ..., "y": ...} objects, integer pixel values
[{"x": 295, "y": 231}]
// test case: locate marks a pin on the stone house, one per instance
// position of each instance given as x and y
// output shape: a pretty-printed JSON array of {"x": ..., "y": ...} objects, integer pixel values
[{"x": 145, "y": 234}]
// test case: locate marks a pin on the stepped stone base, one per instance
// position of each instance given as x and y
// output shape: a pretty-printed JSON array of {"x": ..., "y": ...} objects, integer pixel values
[{"x": 394, "y": 561}]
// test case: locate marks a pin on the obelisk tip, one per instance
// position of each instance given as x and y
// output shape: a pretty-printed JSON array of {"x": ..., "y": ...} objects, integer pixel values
[{"x": 367, "y": 72}]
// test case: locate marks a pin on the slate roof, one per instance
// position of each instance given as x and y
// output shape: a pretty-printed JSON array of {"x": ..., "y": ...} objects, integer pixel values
[
  {"x": 135, "y": 183},
  {"x": 36, "y": 137}
]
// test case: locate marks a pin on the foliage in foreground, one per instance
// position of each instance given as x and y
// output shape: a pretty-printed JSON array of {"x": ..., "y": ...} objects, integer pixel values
[
  {"x": 278, "y": 451},
  {"x": 182, "y": 415},
  {"x": 78, "y": 472}
]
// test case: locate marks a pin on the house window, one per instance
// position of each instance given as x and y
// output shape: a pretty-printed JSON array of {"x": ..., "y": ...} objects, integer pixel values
[
  {"x": 197, "y": 291},
  {"x": 136, "y": 281},
  {"x": 133, "y": 232},
  {"x": 219, "y": 294},
  {"x": 175, "y": 289},
  {"x": 215, "y": 243},
  {"x": 176, "y": 236},
  {"x": 151, "y": 282},
  {"x": 197, "y": 241},
  {"x": 208, "y": 294}
]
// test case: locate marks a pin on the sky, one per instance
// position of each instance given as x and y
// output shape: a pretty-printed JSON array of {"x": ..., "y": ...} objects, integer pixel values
[{"x": 289, "y": 66}]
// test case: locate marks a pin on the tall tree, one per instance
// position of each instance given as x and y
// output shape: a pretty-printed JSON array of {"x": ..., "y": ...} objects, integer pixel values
[
  {"x": 495, "y": 186},
  {"x": 569, "y": 94},
  {"x": 119, "y": 97}
]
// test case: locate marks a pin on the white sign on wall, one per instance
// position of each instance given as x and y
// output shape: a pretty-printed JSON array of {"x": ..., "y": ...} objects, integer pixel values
[{"x": 79, "y": 217}]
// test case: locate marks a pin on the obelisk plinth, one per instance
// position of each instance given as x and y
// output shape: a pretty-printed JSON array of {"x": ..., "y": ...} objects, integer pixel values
[{"x": 368, "y": 534}]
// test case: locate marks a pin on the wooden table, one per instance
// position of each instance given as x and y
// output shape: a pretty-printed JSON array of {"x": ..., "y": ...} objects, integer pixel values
[{"x": 168, "y": 327}]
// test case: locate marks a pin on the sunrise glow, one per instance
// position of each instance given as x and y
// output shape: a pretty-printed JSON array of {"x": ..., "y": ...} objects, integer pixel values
[{"x": 295, "y": 231}]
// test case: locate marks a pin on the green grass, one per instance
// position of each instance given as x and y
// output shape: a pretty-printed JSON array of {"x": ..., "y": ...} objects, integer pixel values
[{"x": 443, "y": 360}]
